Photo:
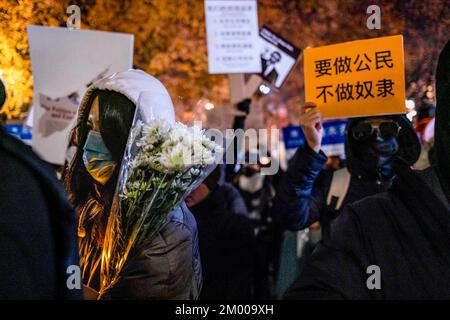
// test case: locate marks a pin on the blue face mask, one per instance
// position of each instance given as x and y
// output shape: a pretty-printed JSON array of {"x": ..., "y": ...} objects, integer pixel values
[
  {"x": 384, "y": 150},
  {"x": 385, "y": 147},
  {"x": 97, "y": 159}
]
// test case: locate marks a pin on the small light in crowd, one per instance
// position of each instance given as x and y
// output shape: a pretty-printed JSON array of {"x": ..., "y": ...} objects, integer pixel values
[
  {"x": 410, "y": 105},
  {"x": 411, "y": 115},
  {"x": 209, "y": 106},
  {"x": 264, "y": 89},
  {"x": 264, "y": 160}
]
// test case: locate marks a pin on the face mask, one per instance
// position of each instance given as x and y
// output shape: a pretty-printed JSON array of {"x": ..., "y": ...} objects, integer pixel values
[
  {"x": 97, "y": 158},
  {"x": 384, "y": 147},
  {"x": 251, "y": 184},
  {"x": 383, "y": 150}
]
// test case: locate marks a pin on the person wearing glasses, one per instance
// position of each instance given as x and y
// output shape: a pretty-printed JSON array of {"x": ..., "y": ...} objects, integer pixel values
[
  {"x": 396, "y": 244},
  {"x": 308, "y": 194}
]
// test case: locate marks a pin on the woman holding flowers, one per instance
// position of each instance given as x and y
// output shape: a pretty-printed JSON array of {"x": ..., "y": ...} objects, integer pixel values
[{"x": 131, "y": 171}]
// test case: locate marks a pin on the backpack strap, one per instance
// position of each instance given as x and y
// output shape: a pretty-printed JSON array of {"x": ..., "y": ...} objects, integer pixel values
[
  {"x": 302, "y": 240},
  {"x": 338, "y": 188}
]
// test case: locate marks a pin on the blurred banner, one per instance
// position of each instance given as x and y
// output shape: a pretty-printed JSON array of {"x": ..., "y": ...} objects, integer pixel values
[
  {"x": 19, "y": 131},
  {"x": 278, "y": 57},
  {"x": 332, "y": 142},
  {"x": 357, "y": 78},
  {"x": 64, "y": 63},
  {"x": 232, "y": 32}
]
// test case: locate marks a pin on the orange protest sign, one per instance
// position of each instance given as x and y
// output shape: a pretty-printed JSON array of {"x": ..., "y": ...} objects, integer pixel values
[{"x": 357, "y": 78}]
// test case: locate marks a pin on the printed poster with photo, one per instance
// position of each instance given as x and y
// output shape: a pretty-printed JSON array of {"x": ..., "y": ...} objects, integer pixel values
[{"x": 278, "y": 57}]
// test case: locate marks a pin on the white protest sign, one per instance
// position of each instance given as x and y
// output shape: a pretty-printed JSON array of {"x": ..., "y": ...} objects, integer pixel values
[
  {"x": 64, "y": 63},
  {"x": 232, "y": 36}
]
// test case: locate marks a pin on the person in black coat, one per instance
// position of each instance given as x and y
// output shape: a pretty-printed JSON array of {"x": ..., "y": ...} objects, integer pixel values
[
  {"x": 226, "y": 240},
  {"x": 37, "y": 228},
  {"x": 394, "y": 245},
  {"x": 305, "y": 194},
  {"x": 301, "y": 198}
]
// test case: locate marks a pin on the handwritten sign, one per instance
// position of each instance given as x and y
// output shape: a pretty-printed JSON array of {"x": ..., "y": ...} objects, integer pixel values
[{"x": 358, "y": 78}]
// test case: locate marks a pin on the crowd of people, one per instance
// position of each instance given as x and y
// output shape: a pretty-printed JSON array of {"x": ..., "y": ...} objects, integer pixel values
[{"x": 314, "y": 231}]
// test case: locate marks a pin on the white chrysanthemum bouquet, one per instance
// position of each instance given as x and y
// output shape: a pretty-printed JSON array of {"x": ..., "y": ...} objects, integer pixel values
[{"x": 162, "y": 164}]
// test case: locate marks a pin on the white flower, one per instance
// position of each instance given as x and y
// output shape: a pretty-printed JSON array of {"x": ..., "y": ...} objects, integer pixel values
[
  {"x": 153, "y": 133},
  {"x": 195, "y": 171},
  {"x": 197, "y": 152},
  {"x": 166, "y": 148},
  {"x": 208, "y": 157},
  {"x": 176, "y": 158},
  {"x": 181, "y": 134}
]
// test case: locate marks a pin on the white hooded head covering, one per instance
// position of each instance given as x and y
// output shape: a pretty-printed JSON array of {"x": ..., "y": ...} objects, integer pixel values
[
  {"x": 148, "y": 94},
  {"x": 142, "y": 89}
]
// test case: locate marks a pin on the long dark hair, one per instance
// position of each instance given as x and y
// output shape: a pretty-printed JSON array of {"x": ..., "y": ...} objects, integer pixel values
[{"x": 92, "y": 200}]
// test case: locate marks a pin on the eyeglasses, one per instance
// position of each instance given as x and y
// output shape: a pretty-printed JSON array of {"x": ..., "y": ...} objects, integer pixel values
[{"x": 365, "y": 129}]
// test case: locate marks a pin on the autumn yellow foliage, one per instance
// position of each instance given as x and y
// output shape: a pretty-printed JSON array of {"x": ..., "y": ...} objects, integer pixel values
[
  {"x": 170, "y": 40},
  {"x": 15, "y": 66},
  {"x": 169, "y": 43}
]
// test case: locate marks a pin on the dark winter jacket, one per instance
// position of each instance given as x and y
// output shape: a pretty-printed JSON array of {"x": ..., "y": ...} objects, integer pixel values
[
  {"x": 442, "y": 126},
  {"x": 233, "y": 200},
  {"x": 168, "y": 268},
  {"x": 404, "y": 232},
  {"x": 227, "y": 248},
  {"x": 302, "y": 193},
  {"x": 37, "y": 227}
]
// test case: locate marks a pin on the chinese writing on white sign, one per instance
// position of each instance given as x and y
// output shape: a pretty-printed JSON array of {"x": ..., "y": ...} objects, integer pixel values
[{"x": 232, "y": 32}]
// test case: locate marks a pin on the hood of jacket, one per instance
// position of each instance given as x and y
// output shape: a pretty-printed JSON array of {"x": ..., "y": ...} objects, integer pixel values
[
  {"x": 442, "y": 124},
  {"x": 132, "y": 84},
  {"x": 409, "y": 144}
]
